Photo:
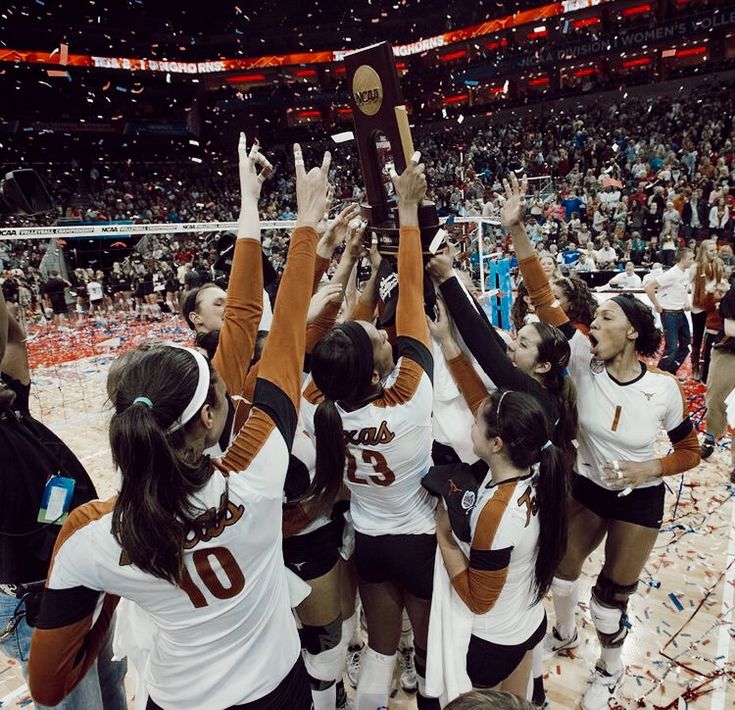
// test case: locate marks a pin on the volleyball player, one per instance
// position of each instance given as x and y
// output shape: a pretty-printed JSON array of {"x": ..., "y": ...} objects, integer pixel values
[
  {"x": 517, "y": 527},
  {"x": 617, "y": 492},
  {"x": 378, "y": 438},
  {"x": 196, "y": 545}
]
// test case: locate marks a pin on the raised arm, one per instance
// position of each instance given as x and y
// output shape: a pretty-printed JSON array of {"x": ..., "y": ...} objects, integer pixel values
[
  {"x": 334, "y": 235},
  {"x": 512, "y": 216},
  {"x": 367, "y": 302},
  {"x": 410, "y": 188},
  {"x": 278, "y": 388},
  {"x": 244, "y": 304},
  {"x": 468, "y": 381},
  {"x": 482, "y": 340}
]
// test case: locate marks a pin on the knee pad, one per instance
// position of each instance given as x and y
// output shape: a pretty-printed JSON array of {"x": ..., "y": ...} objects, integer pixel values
[
  {"x": 563, "y": 587},
  {"x": 323, "y": 652},
  {"x": 608, "y": 606}
]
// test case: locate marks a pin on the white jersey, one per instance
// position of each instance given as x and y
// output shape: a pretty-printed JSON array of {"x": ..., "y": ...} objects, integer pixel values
[
  {"x": 94, "y": 291},
  {"x": 212, "y": 633},
  {"x": 505, "y": 531},
  {"x": 620, "y": 421},
  {"x": 673, "y": 289},
  {"x": 388, "y": 452}
]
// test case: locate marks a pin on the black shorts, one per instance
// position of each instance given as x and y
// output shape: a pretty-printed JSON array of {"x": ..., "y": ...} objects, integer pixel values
[
  {"x": 405, "y": 560},
  {"x": 311, "y": 555},
  {"x": 489, "y": 664},
  {"x": 292, "y": 693},
  {"x": 643, "y": 506},
  {"x": 58, "y": 305}
]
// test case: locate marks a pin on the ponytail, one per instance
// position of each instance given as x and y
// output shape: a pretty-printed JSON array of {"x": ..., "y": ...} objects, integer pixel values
[
  {"x": 152, "y": 514},
  {"x": 565, "y": 431},
  {"x": 331, "y": 453},
  {"x": 340, "y": 373},
  {"x": 552, "y": 490}
]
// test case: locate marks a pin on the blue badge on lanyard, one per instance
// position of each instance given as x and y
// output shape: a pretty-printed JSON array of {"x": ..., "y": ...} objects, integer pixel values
[{"x": 56, "y": 500}]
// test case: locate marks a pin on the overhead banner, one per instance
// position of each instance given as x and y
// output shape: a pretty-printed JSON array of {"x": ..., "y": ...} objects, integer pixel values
[
  {"x": 281, "y": 60},
  {"x": 627, "y": 40},
  {"x": 145, "y": 128}
]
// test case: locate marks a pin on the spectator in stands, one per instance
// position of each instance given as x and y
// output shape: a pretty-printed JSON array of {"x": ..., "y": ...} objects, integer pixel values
[{"x": 625, "y": 280}]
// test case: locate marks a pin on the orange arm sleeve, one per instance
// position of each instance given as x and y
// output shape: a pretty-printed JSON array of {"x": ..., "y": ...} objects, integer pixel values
[
  {"x": 480, "y": 585},
  {"x": 322, "y": 324},
  {"x": 686, "y": 455},
  {"x": 468, "y": 381},
  {"x": 363, "y": 310},
  {"x": 283, "y": 355},
  {"x": 243, "y": 310},
  {"x": 410, "y": 318},
  {"x": 61, "y": 657},
  {"x": 539, "y": 289}
]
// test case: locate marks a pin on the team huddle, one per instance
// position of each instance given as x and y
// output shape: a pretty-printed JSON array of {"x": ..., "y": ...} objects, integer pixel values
[{"x": 334, "y": 448}]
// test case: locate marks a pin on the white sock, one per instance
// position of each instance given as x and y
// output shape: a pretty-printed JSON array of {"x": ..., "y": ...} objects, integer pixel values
[
  {"x": 538, "y": 662},
  {"x": 611, "y": 658},
  {"x": 325, "y": 699},
  {"x": 376, "y": 672},
  {"x": 565, "y": 596}
]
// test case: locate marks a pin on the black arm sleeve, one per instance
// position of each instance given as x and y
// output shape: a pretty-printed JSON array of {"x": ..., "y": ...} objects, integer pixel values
[{"x": 484, "y": 343}]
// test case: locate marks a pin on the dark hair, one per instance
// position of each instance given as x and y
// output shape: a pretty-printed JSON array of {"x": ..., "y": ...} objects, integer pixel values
[
  {"x": 208, "y": 341},
  {"x": 581, "y": 302},
  {"x": 649, "y": 336},
  {"x": 7, "y": 397},
  {"x": 524, "y": 428},
  {"x": 152, "y": 513},
  {"x": 554, "y": 348},
  {"x": 337, "y": 371},
  {"x": 189, "y": 302},
  {"x": 520, "y": 309},
  {"x": 489, "y": 700}
]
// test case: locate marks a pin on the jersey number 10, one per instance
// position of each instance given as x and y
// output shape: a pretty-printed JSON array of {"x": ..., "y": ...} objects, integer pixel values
[{"x": 228, "y": 565}]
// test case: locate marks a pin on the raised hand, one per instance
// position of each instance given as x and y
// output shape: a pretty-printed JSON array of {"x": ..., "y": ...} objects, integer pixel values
[
  {"x": 513, "y": 211},
  {"x": 441, "y": 265},
  {"x": 331, "y": 293},
  {"x": 410, "y": 185},
  {"x": 311, "y": 189},
  {"x": 251, "y": 181},
  {"x": 441, "y": 328}
]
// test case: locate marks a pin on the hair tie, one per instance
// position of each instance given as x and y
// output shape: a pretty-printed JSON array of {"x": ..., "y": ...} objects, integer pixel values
[
  {"x": 143, "y": 400},
  {"x": 547, "y": 445},
  {"x": 564, "y": 373}
]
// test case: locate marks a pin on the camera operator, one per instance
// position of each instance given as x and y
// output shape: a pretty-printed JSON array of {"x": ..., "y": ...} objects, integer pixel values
[{"x": 38, "y": 470}]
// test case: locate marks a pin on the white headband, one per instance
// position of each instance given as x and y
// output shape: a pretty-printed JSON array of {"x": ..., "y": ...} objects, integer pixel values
[{"x": 200, "y": 393}]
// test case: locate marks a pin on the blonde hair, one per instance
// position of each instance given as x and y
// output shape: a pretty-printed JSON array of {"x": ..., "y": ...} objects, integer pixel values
[
  {"x": 706, "y": 270},
  {"x": 489, "y": 700}
]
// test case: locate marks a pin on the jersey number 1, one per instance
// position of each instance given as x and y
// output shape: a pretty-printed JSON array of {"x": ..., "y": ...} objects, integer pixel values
[{"x": 228, "y": 565}]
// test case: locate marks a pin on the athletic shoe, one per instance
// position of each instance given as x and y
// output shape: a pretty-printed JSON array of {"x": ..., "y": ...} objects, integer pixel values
[
  {"x": 354, "y": 654},
  {"x": 707, "y": 448},
  {"x": 602, "y": 688},
  {"x": 409, "y": 682},
  {"x": 553, "y": 643}
]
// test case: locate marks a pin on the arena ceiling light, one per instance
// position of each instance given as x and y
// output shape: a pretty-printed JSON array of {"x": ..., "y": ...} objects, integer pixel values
[{"x": 343, "y": 137}]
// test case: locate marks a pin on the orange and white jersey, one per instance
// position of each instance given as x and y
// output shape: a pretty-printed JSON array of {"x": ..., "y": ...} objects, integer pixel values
[
  {"x": 232, "y": 604},
  {"x": 621, "y": 421},
  {"x": 499, "y": 585},
  {"x": 388, "y": 448},
  {"x": 225, "y": 635}
]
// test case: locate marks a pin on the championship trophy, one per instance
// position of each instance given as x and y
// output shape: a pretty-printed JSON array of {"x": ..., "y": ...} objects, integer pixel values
[{"x": 383, "y": 137}]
